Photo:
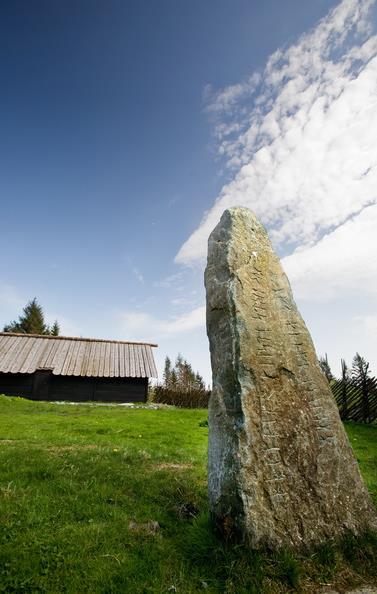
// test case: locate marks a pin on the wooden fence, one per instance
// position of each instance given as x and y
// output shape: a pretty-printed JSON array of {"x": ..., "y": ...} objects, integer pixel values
[
  {"x": 356, "y": 400},
  {"x": 190, "y": 398}
]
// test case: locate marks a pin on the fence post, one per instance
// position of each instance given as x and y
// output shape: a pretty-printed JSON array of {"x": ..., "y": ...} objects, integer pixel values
[
  {"x": 365, "y": 393},
  {"x": 344, "y": 400}
]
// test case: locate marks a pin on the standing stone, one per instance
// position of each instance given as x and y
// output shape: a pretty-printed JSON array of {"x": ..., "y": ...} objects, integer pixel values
[{"x": 281, "y": 470}]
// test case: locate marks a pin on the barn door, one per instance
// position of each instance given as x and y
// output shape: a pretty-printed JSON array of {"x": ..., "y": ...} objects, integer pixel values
[{"x": 41, "y": 384}]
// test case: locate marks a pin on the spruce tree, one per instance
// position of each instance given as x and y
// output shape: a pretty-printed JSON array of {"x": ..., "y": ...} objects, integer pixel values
[
  {"x": 361, "y": 375},
  {"x": 325, "y": 366},
  {"x": 181, "y": 376},
  {"x": 55, "y": 329},
  {"x": 173, "y": 379},
  {"x": 360, "y": 368},
  {"x": 32, "y": 321},
  {"x": 344, "y": 385},
  {"x": 345, "y": 370},
  {"x": 166, "y": 376},
  {"x": 199, "y": 381}
]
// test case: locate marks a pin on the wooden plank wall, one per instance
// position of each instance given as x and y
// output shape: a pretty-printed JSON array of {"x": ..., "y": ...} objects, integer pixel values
[
  {"x": 16, "y": 384},
  {"x": 74, "y": 389}
]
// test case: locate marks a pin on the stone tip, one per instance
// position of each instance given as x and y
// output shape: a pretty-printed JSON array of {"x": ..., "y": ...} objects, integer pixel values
[
  {"x": 237, "y": 216},
  {"x": 237, "y": 226},
  {"x": 239, "y": 211}
]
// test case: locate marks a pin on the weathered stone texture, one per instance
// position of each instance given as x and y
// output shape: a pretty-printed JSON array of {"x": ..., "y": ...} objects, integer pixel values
[{"x": 281, "y": 470}]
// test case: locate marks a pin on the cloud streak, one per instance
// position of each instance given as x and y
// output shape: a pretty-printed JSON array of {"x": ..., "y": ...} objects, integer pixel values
[
  {"x": 343, "y": 262},
  {"x": 143, "y": 326},
  {"x": 298, "y": 138}
]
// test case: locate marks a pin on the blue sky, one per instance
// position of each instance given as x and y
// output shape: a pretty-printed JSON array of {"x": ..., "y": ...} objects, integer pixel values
[{"x": 128, "y": 126}]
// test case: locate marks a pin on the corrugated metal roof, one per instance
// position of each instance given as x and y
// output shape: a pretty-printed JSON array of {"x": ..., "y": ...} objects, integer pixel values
[{"x": 86, "y": 357}]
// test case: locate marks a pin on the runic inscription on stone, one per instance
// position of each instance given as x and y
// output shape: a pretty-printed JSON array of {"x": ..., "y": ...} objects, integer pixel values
[{"x": 281, "y": 470}]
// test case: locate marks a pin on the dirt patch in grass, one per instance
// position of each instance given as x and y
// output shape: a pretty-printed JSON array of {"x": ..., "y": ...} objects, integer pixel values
[
  {"x": 52, "y": 448},
  {"x": 172, "y": 466},
  {"x": 72, "y": 448}
]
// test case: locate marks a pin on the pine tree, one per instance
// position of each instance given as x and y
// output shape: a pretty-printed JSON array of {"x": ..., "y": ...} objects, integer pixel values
[
  {"x": 345, "y": 370},
  {"x": 187, "y": 376},
  {"x": 360, "y": 368},
  {"x": 32, "y": 321},
  {"x": 167, "y": 372},
  {"x": 173, "y": 379},
  {"x": 344, "y": 384},
  {"x": 179, "y": 366},
  {"x": 199, "y": 381},
  {"x": 181, "y": 385},
  {"x": 361, "y": 375},
  {"x": 55, "y": 329},
  {"x": 181, "y": 376},
  {"x": 325, "y": 366}
]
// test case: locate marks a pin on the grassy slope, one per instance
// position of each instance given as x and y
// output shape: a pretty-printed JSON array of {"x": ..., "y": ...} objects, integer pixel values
[
  {"x": 363, "y": 439},
  {"x": 72, "y": 478}
]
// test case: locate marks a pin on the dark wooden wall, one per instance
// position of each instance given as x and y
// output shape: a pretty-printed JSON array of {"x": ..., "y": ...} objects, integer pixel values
[
  {"x": 43, "y": 385},
  {"x": 16, "y": 384}
]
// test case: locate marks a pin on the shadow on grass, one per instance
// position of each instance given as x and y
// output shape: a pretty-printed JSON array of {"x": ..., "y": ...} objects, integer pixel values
[{"x": 235, "y": 568}]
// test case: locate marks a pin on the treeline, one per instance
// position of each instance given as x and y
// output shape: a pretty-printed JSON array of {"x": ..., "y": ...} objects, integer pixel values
[
  {"x": 359, "y": 370},
  {"x": 181, "y": 386},
  {"x": 355, "y": 392},
  {"x": 181, "y": 376}
]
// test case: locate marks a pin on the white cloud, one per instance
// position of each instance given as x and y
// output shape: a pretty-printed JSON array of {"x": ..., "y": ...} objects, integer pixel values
[
  {"x": 135, "y": 270},
  {"x": 340, "y": 331},
  {"x": 143, "y": 326},
  {"x": 343, "y": 262},
  {"x": 368, "y": 325},
  {"x": 226, "y": 99},
  {"x": 170, "y": 281},
  {"x": 138, "y": 275},
  {"x": 300, "y": 136},
  {"x": 183, "y": 301}
]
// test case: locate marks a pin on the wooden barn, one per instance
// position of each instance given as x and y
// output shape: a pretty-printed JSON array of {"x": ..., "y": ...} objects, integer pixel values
[{"x": 74, "y": 369}]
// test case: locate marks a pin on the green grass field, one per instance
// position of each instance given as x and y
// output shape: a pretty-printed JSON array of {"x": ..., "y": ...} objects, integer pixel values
[{"x": 82, "y": 489}]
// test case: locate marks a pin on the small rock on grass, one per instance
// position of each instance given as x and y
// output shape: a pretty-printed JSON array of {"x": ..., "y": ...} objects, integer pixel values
[{"x": 152, "y": 526}]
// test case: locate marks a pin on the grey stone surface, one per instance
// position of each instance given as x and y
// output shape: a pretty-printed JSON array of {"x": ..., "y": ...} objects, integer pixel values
[{"x": 281, "y": 470}]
